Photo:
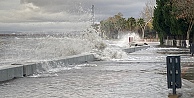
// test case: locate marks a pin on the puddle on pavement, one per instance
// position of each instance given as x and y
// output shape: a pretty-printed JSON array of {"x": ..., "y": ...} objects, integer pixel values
[{"x": 188, "y": 72}]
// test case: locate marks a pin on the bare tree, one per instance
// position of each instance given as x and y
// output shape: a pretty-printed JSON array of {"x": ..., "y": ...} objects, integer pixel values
[
  {"x": 148, "y": 10},
  {"x": 147, "y": 14}
]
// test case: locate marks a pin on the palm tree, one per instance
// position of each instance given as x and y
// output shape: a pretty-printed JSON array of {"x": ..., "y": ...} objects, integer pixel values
[{"x": 131, "y": 23}]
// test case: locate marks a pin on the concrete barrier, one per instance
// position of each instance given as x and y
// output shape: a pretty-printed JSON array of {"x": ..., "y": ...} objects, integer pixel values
[
  {"x": 8, "y": 72},
  {"x": 129, "y": 50},
  {"x": 18, "y": 71},
  {"x": 134, "y": 49},
  {"x": 29, "y": 69},
  {"x": 47, "y": 65}
]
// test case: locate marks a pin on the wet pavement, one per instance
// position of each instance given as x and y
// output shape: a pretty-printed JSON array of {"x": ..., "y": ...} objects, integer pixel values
[{"x": 142, "y": 75}]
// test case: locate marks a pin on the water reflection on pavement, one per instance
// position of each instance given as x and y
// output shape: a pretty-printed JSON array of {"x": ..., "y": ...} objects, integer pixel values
[{"x": 137, "y": 77}]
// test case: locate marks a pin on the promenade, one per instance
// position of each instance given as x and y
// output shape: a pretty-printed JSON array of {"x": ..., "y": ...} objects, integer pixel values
[{"x": 142, "y": 75}]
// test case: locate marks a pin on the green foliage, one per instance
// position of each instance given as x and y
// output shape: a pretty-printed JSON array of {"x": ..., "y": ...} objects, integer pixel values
[
  {"x": 141, "y": 22},
  {"x": 165, "y": 23},
  {"x": 131, "y": 23},
  {"x": 159, "y": 21},
  {"x": 184, "y": 9},
  {"x": 112, "y": 25}
]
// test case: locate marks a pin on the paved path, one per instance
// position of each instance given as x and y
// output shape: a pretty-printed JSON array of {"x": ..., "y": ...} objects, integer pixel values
[{"x": 102, "y": 79}]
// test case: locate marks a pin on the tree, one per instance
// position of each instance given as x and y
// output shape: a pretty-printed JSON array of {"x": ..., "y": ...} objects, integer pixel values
[
  {"x": 142, "y": 25},
  {"x": 123, "y": 26},
  {"x": 158, "y": 21},
  {"x": 146, "y": 15},
  {"x": 112, "y": 25},
  {"x": 118, "y": 21},
  {"x": 165, "y": 22},
  {"x": 148, "y": 11},
  {"x": 184, "y": 9},
  {"x": 131, "y": 23}
]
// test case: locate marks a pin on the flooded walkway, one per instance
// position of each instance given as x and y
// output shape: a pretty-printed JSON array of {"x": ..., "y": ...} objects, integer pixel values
[{"x": 137, "y": 77}]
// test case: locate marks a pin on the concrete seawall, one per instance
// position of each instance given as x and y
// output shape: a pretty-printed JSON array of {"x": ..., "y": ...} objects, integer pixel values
[
  {"x": 8, "y": 72},
  {"x": 133, "y": 49}
]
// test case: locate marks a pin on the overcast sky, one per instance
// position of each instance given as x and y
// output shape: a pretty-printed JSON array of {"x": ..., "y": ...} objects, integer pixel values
[{"x": 59, "y": 15}]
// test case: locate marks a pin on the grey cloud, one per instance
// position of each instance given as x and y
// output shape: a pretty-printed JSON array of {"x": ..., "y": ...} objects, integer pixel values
[
  {"x": 107, "y": 7},
  {"x": 39, "y": 14},
  {"x": 31, "y": 13},
  {"x": 8, "y": 4}
]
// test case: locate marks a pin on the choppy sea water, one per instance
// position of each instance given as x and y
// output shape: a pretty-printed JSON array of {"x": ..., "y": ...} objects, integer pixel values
[{"x": 18, "y": 48}]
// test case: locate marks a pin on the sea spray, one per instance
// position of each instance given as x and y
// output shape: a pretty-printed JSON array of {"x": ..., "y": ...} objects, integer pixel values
[
  {"x": 38, "y": 48},
  {"x": 124, "y": 39},
  {"x": 103, "y": 49}
]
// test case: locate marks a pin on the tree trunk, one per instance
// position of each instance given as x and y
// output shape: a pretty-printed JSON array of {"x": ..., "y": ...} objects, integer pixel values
[
  {"x": 143, "y": 33},
  {"x": 193, "y": 39},
  {"x": 187, "y": 40},
  {"x": 188, "y": 33},
  {"x": 161, "y": 40}
]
